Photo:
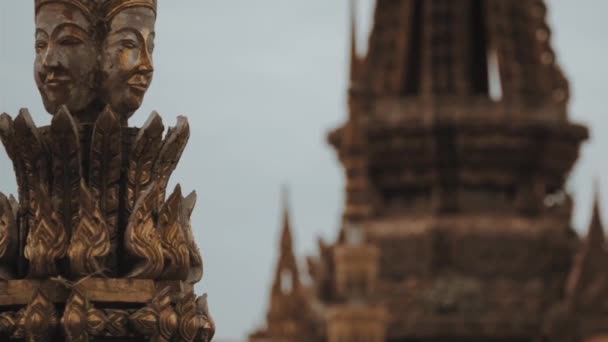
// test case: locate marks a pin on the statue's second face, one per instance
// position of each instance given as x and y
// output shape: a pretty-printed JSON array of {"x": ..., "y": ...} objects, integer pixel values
[
  {"x": 66, "y": 58},
  {"x": 127, "y": 59}
]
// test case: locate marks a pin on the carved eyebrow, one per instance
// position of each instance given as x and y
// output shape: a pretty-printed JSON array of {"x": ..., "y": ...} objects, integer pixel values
[
  {"x": 128, "y": 29},
  {"x": 40, "y": 31},
  {"x": 69, "y": 25}
]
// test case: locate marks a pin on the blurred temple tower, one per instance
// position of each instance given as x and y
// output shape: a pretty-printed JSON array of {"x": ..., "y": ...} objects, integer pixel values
[{"x": 456, "y": 225}]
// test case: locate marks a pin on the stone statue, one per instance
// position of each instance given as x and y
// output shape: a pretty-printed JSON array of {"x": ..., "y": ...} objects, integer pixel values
[
  {"x": 66, "y": 61},
  {"x": 127, "y": 65},
  {"x": 93, "y": 248}
]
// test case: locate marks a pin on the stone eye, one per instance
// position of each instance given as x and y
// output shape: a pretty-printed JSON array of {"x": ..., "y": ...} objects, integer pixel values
[
  {"x": 41, "y": 45},
  {"x": 70, "y": 41},
  {"x": 129, "y": 44},
  {"x": 151, "y": 46}
]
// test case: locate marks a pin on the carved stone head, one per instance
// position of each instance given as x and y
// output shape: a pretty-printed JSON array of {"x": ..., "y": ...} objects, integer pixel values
[
  {"x": 66, "y": 61},
  {"x": 127, "y": 65}
]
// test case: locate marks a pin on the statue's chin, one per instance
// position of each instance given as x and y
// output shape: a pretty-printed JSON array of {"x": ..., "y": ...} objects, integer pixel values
[
  {"x": 128, "y": 105},
  {"x": 50, "y": 106},
  {"x": 53, "y": 103}
]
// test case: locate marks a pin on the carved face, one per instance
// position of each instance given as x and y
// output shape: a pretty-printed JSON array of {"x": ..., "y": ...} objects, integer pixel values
[
  {"x": 127, "y": 59},
  {"x": 66, "y": 58}
]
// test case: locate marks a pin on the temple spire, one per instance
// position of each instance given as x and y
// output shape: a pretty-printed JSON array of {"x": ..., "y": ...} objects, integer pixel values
[
  {"x": 286, "y": 237},
  {"x": 589, "y": 264},
  {"x": 288, "y": 307},
  {"x": 595, "y": 237},
  {"x": 286, "y": 276},
  {"x": 354, "y": 56}
]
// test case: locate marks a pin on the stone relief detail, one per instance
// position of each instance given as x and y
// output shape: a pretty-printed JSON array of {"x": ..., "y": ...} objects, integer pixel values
[
  {"x": 105, "y": 164},
  {"x": 205, "y": 323},
  {"x": 9, "y": 322},
  {"x": 142, "y": 239},
  {"x": 81, "y": 320},
  {"x": 188, "y": 322},
  {"x": 64, "y": 145},
  {"x": 117, "y": 322},
  {"x": 74, "y": 207},
  {"x": 196, "y": 261},
  {"x": 173, "y": 239},
  {"x": 170, "y": 153},
  {"x": 47, "y": 241},
  {"x": 90, "y": 243},
  {"x": 142, "y": 157},
  {"x": 8, "y": 236},
  {"x": 32, "y": 162},
  {"x": 158, "y": 320},
  {"x": 40, "y": 319},
  {"x": 184, "y": 318}
]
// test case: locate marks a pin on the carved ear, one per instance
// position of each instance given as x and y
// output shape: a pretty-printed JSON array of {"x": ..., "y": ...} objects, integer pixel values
[{"x": 170, "y": 153}]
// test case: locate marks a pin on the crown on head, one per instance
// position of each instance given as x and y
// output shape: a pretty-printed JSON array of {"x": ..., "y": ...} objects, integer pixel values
[
  {"x": 85, "y": 6},
  {"x": 109, "y": 8}
]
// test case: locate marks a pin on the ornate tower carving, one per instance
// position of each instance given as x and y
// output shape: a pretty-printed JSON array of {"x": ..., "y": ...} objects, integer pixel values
[
  {"x": 466, "y": 149},
  {"x": 289, "y": 315},
  {"x": 456, "y": 150},
  {"x": 581, "y": 315},
  {"x": 354, "y": 314},
  {"x": 92, "y": 191}
]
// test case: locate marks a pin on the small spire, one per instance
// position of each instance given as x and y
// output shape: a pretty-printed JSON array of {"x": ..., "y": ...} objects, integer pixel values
[
  {"x": 595, "y": 236},
  {"x": 287, "y": 265},
  {"x": 354, "y": 57},
  {"x": 589, "y": 264},
  {"x": 286, "y": 237}
]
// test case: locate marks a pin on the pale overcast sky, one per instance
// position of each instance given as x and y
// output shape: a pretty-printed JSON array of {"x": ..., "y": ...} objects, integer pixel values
[{"x": 262, "y": 82}]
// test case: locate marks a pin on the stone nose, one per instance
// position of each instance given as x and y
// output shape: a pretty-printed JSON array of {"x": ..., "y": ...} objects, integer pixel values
[{"x": 53, "y": 58}]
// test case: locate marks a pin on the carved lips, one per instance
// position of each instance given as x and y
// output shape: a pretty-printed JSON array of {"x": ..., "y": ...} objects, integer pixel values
[
  {"x": 55, "y": 80},
  {"x": 139, "y": 84}
]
